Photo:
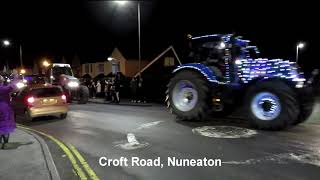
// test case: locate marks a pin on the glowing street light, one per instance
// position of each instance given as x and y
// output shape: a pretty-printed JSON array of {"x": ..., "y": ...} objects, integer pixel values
[
  {"x": 299, "y": 46},
  {"x": 121, "y": 3},
  {"x": 22, "y": 71},
  {"x": 6, "y": 42},
  {"x": 45, "y": 63}
]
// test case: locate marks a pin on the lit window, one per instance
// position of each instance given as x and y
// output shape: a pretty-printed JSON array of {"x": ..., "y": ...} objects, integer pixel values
[{"x": 168, "y": 61}]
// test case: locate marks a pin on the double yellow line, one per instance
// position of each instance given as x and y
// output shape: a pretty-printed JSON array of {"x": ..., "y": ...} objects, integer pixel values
[{"x": 71, "y": 153}]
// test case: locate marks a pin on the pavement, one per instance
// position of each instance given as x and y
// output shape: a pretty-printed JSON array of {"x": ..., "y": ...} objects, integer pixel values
[
  {"x": 27, "y": 156},
  {"x": 124, "y": 102}
]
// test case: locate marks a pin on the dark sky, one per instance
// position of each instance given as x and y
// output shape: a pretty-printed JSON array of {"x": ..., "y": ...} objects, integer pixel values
[{"x": 92, "y": 28}]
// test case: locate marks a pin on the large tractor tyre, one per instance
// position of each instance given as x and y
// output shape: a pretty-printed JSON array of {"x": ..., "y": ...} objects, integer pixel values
[
  {"x": 271, "y": 105},
  {"x": 83, "y": 94},
  {"x": 188, "y": 96},
  {"x": 306, "y": 106}
]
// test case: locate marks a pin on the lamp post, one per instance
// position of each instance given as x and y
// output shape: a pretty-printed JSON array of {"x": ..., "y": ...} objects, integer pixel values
[
  {"x": 6, "y": 43},
  {"x": 139, "y": 29},
  {"x": 299, "y": 46}
]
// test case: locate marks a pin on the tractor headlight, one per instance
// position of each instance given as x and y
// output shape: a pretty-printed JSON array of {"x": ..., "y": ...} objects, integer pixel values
[
  {"x": 20, "y": 85},
  {"x": 73, "y": 84},
  {"x": 300, "y": 84}
]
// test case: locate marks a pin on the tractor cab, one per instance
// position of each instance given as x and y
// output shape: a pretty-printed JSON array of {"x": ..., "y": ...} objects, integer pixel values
[
  {"x": 56, "y": 70},
  {"x": 219, "y": 53}
]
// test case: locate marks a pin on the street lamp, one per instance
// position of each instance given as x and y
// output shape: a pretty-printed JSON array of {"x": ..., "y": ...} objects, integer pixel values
[
  {"x": 6, "y": 43},
  {"x": 121, "y": 2},
  {"x": 139, "y": 32},
  {"x": 299, "y": 46},
  {"x": 22, "y": 71},
  {"x": 45, "y": 63}
]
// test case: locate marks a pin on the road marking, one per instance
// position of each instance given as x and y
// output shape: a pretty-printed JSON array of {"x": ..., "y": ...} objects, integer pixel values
[
  {"x": 131, "y": 143},
  {"x": 72, "y": 159},
  {"x": 83, "y": 162},
  {"x": 132, "y": 139},
  {"x": 224, "y": 132},
  {"x": 148, "y": 125}
]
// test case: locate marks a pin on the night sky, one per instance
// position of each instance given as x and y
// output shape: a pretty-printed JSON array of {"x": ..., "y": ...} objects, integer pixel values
[{"x": 91, "y": 29}]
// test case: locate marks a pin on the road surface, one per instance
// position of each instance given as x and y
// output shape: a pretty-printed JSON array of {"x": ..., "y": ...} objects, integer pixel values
[{"x": 114, "y": 131}]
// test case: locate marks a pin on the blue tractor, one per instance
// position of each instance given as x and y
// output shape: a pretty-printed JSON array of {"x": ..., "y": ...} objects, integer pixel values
[{"x": 226, "y": 72}]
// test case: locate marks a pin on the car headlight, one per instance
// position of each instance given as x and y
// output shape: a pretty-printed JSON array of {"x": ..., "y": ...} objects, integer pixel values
[
  {"x": 73, "y": 84},
  {"x": 20, "y": 85}
]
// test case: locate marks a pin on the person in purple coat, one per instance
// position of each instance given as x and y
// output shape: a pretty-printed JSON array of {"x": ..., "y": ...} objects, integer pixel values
[{"x": 7, "y": 121}]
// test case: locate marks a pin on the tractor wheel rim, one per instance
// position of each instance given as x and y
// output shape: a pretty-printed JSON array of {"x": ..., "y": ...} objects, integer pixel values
[
  {"x": 266, "y": 106},
  {"x": 184, "y": 96}
]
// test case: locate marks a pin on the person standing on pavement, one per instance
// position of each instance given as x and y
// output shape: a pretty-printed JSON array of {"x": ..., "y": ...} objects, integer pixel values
[
  {"x": 117, "y": 84},
  {"x": 134, "y": 88},
  {"x": 141, "y": 90},
  {"x": 92, "y": 88},
  {"x": 7, "y": 121},
  {"x": 98, "y": 88}
]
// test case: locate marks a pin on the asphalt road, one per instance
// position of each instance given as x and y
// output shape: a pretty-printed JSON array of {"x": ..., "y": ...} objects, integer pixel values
[{"x": 102, "y": 131}]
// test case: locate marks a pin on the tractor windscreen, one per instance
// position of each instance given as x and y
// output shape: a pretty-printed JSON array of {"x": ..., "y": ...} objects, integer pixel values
[
  {"x": 207, "y": 49},
  {"x": 57, "y": 71}
]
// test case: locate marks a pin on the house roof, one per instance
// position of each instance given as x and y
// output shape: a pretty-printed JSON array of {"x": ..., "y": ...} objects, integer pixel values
[{"x": 158, "y": 57}]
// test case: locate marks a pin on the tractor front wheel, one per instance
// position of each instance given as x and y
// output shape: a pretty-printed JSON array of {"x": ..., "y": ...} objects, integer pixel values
[
  {"x": 271, "y": 105},
  {"x": 83, "y": 94}
]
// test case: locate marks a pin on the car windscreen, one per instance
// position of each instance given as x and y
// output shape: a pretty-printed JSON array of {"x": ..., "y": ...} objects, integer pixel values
[{"x": 46, "y": 92}]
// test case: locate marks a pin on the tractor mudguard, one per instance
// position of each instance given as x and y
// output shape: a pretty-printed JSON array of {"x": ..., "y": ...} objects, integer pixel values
[{"x": 207, "y": 72}]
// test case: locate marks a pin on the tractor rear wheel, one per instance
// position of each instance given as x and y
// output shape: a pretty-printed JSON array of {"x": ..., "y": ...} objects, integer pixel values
[{"x": 188, "y": 96}]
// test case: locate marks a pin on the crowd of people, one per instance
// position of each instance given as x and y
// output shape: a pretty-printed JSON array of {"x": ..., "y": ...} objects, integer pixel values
[{"x": 110, "y": 89}]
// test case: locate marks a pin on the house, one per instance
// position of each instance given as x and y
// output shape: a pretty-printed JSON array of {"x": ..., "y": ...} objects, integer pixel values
[
  {"x": 116, "y": 63},
  {"x": 157, "y": 73}
]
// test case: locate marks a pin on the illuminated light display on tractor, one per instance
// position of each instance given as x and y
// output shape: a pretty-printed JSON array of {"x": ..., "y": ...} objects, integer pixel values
[{"x": 249, "y": 69}]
